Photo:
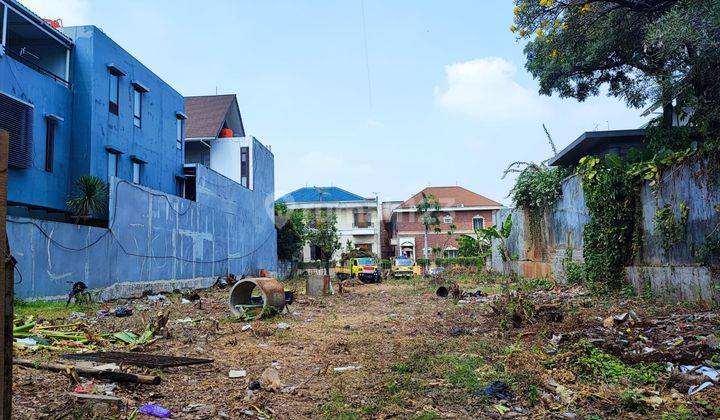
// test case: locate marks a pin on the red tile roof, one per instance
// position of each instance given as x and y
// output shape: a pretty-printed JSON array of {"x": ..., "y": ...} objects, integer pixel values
[
  {"x": 206, "y": 115},
  {"x": 451, "y": 197}
]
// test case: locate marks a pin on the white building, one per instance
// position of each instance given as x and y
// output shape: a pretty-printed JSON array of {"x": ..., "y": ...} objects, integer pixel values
[{"x": 357, "y": 217}]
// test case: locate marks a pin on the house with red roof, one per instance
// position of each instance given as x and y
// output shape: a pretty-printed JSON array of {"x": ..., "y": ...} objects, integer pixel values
[{"x": 461, "y": 211}]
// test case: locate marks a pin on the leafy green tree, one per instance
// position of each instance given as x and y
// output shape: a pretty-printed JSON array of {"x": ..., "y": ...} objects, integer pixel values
[
  {"x": 322, "y": 232},
  {"x": 640, "y": 50},
  {"x": 291, "y": 233},
  {"x": 429, "y": 210}
]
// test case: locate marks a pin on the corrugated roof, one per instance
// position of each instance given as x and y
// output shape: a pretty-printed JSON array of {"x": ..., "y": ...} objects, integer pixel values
[
  {"x": 206, "y": 115},
  {"x": 451, "y": 197},
  {"x": 319, "y": 194}
]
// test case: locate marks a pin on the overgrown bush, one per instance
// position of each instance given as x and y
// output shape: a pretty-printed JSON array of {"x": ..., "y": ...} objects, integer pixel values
[{"x": 537, "y": 187}]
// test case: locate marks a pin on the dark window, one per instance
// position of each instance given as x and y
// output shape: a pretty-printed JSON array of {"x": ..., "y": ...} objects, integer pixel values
[
  {"x": 16, "y": 118},
  {"x": 362, "y": 220},
  {"x": 315, "y": 253},
  {"x": 245, "y": 167},
  {"x": 114, "y": 92},
  {"x": 50, "y": 125},
  {"x": 137, "y": 107},
  {"x": 180, "y": 187},
  {"x": 478, "y": 222}
]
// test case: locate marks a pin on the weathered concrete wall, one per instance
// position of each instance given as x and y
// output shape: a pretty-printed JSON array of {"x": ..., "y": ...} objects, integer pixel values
[
  {"x": 559, "y": 236},
  {"x": 675, "y": 274},
  {"x": 156, "y": 241}
]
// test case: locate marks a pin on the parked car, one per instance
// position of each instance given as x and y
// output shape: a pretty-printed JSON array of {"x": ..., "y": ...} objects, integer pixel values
[{"x": 365, "y": 269}]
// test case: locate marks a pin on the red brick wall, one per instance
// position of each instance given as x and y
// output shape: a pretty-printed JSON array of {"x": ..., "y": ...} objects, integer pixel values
[{"x": 409, "y": 224}]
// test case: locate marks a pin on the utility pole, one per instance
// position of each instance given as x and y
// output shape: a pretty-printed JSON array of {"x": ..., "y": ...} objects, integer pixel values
[{"x": 6, "y": 286}]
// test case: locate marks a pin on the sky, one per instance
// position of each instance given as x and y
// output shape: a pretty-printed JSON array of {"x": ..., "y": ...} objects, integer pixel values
[{"x": 376, "y": 97}]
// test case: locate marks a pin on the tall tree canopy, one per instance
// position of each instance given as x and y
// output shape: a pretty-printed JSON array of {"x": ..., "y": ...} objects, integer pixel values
[{"x": 641, "y": 50}]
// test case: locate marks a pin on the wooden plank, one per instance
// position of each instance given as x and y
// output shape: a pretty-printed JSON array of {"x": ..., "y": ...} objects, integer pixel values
[
  {"x": 7, "y": 286},
  {"x": 91, "y": 372},
  {"x": 137, "y": 359}
]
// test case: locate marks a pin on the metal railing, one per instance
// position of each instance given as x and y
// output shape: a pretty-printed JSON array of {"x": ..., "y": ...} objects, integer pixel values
[{"x": 18, "y": 57}]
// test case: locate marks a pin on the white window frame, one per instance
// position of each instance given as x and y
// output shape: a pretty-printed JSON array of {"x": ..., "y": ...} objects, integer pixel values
[
  {"x": 446, "y": 218},
  {"x": 137, "y": 107},
  {"x": 136, "y": 172},
  {"x": 179, "y": 131}
]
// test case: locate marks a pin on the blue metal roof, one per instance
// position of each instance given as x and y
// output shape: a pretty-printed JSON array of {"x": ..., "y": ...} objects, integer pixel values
[{"x": 319, "y": 194}]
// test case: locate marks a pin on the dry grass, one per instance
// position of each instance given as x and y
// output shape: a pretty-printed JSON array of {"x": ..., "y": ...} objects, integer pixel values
[{"x": 397, "y": 332}]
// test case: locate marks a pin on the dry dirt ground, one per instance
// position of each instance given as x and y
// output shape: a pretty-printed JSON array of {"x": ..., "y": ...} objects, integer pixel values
[{"x": 416, "y": 356}]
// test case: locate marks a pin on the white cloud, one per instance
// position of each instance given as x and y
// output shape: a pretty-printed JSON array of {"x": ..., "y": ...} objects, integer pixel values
[
  {"x": 484, "y": 88},
  {"x": 72, "y": 12}
]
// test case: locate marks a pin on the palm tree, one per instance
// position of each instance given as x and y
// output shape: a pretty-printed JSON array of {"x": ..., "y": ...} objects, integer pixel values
[
  {"x": 429, "y": 210},
  {"x": 90, "y": 199}
]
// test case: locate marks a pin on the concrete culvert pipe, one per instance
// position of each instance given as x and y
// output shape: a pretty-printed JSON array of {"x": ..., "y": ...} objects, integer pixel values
[{"x": 271, "y": 291}]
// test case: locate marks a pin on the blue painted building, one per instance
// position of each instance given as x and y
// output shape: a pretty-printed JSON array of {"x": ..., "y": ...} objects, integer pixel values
[{"x": 76, "y": 103}]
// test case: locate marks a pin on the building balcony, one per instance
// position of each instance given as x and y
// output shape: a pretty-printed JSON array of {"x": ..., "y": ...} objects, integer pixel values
[
  {"x": 358, "y": 231},
  {"x": 29, "y": 40}
]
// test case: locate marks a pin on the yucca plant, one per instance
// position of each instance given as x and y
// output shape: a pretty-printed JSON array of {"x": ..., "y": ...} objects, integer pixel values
[{"x": 90, "y": 198}]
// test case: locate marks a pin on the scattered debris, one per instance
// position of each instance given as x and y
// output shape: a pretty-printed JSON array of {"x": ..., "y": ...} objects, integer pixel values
[
  {"x": 155, "y": 410},
  {"x": 122, "y": 311},
  {"x": 90, "y": 372},
  {"x": 237, "y": 374},
  {"x": 156, "y": 298},
  {"x": 246, "y": 327},
  {"x": 498, "y": 390},
  {"x": 348, "y": 368},
  {"x": 270, "y": 379},
  {"x": 629, "y": 317},
  {"x": 283, "y": 326},
  {"x": 458, "y": 331}
]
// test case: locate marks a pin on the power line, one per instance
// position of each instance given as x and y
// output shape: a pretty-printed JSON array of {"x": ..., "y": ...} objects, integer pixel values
[
  {"x": 367, "y": 59},
  {"x": 110, "y": 231}
]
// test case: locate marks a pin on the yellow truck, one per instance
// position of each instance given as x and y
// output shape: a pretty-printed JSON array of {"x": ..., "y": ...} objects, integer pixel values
[
  {"x": 404, "y": 267},
  {"x": 365, "y": 269}
]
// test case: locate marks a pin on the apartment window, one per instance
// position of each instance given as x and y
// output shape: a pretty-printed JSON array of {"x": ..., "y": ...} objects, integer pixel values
[
  {"x": 245, "y": 167},
  {"x": 112, "y": 164},
  {"x": 50, "y": 127},
  {"x": 179, "y": 130},
  {"x": 478, "y": 222},
  {"x": 451, "y": 253},
  {"x": 16, "y": 118},
  {"x": 137, "y": 169},
  {"x": 114, "y": 93},
  {"x": 137, "y": 108},
  {"x": 447, "y": 219},
  {"x": 180, "y": 186},
  {"x": 361, "y": 220}
]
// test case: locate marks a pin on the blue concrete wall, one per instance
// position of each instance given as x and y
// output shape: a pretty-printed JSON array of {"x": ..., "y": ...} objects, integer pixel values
[
  {"x": 35, "y": 185},
  {"x": 154, "y": 236},
  {"x": 675, "y": 273},
  {"x": 96, "y": 127}
]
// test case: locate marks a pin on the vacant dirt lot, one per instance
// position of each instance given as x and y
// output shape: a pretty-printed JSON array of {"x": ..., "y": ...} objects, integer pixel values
[{"x": 409, "y": 354}]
